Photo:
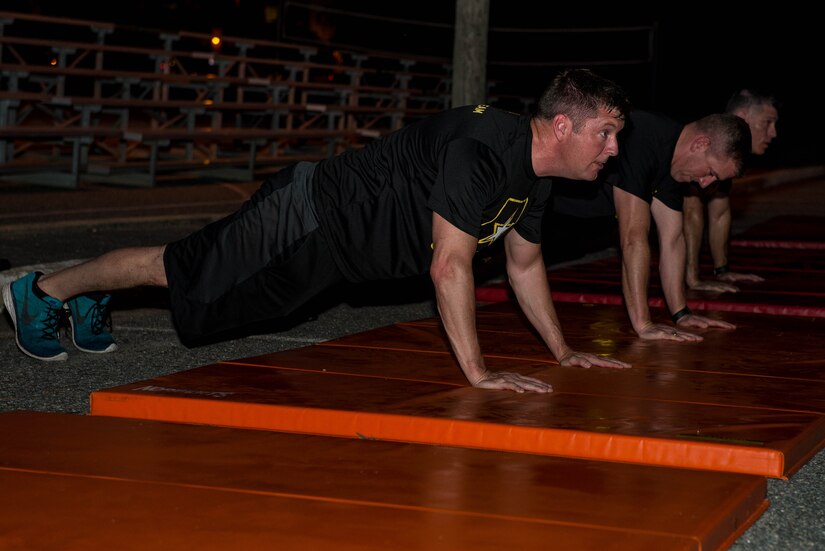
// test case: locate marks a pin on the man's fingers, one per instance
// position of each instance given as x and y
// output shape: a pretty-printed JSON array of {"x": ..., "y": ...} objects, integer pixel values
[
  {"x": 681, "y": 336},
  {"x": 610, "y": 362},
  {"x": 701, "y": 322},
  {"x": 535, "y": 385},
  {"x": 716, "y": 286},
  {"x": 515, "y": 382},
  {"x": 684, "y": 336},
  {"x": 733, "y": 276},
  {"x": 589, "y": 360},
  {"x": 726, "y": 288}
]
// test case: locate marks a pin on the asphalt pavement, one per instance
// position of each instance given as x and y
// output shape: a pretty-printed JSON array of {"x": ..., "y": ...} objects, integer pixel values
[{"x": 45, "y": 228}]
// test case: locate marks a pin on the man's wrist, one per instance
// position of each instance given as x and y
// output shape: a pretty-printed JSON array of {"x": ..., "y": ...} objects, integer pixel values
[
  {"x": 723, "y": 269},
  {"x": 680, "y": 314}
]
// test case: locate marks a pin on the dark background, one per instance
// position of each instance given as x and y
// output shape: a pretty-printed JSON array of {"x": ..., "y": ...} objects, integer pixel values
[{"x": 699, "y": 56}]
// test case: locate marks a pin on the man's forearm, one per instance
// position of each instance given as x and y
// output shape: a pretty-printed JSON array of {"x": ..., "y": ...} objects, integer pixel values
[
  {"x": 719, "y": 220},
  {"x": 455, "y": 298},
  {"x": 671, "y": 268},
  {"x": 693, "y": 229},
  {"x": 635, "y": 275},
  {"x": 533, "y": 294},
  {"x": 719, "y": 234}
]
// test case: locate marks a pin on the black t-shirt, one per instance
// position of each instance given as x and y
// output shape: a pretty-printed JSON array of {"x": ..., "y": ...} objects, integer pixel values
[
  {"x": 642, "y": 168},
  {"x": 472, "y": 165},
  {"x": 646, "y": 148}
]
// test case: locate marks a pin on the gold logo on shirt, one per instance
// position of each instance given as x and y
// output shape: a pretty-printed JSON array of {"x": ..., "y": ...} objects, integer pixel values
[{"x": 507, "y": 216}]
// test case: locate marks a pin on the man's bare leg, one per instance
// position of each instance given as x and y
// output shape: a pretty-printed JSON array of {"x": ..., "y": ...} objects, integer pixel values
[{"x": 117, "y": 269}]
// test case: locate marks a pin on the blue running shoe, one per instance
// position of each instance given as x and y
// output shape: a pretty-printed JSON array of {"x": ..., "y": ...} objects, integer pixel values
[
  {"x": 91, "y": 323},
  {"x": 36, "y": 318}
]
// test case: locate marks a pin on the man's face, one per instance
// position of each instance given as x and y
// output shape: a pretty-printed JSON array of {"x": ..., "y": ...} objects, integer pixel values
[
  {"x": 590, "y": 148},
  {"x": 762, "y": 121},
  {"x": 702, "y": 167}
]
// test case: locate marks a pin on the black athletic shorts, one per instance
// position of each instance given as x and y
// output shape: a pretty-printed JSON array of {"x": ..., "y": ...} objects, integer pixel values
[{"x": 260, "y": 263}]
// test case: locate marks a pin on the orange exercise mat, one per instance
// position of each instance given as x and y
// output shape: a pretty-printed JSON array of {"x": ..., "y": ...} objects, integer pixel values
[
  {"x": 729, "y": 404},
  {"x": 75, "y": 482}
]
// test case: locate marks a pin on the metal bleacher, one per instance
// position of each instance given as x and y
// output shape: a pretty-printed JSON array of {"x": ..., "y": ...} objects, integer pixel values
[
  {"x": 94, "y": 100},
  {"x": 118, "y": 104}
]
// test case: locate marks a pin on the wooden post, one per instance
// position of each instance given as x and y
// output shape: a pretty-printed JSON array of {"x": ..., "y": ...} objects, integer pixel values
[{"x": 470, "y": 52}]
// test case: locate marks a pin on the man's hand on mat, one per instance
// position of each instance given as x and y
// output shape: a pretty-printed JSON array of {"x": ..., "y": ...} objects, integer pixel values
[
  {"x": 505, "y": 380},
  {"x": 715, "y": 286},
  {"x": 733, "y": 277},
  {"x": 661, "y": 332},
  {"x": 585, "y": 359},
  {"x": 701, "y": 322}
]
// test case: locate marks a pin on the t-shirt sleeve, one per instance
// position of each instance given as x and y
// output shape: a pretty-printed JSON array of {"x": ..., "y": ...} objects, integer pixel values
[
  {"x": 530, "y": 224},
  {"x": 635, "y": 171},
  {"x": 671, "y": 193},
  {"x": 640, "y": 173},
  {"x": 466, "y": 179}
]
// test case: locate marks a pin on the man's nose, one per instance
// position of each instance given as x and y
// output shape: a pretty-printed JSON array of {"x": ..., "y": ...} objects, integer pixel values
[
  {"x": 705, "y": 181},
  {"x": 612, "y": 148}
]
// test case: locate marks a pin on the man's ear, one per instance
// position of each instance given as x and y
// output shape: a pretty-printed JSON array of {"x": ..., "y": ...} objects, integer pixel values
[
  {"x": 562, "y": 126},
  {"x": 700, "y": 143}
]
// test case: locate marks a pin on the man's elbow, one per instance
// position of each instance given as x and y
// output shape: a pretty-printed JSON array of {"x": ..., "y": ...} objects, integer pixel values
[
  {"x": 442, "y": 270},
  {"x": 633, "y": 241}
]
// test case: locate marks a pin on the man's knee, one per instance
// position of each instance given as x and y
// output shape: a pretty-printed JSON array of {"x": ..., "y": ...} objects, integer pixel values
[{"x": 155, "y": 267}]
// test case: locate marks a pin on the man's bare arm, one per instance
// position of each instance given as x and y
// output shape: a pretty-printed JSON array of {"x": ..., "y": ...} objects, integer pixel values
[
  {"x": 634, "y": 226},
  {"x": 694, "y": 228},
  {"x": 452, "y": 275},
  {"x": 527, "y": 274},
  {"x": 672, "y": 269},
  {"x": 634, "y": 216},
  {"x": 719, "y": 222}
]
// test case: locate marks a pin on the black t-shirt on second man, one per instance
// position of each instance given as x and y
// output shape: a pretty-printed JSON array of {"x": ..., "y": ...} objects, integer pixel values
[{"x": 642, "y": 168}]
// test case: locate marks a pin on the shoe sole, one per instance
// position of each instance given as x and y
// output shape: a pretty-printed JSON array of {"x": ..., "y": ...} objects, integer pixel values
[
  {"x": 8, "y": 300},
  {"x": 111, "y": 348}
]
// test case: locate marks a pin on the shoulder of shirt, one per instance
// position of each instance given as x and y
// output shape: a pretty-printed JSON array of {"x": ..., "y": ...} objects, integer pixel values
[{"x": 484, "y": 109}]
